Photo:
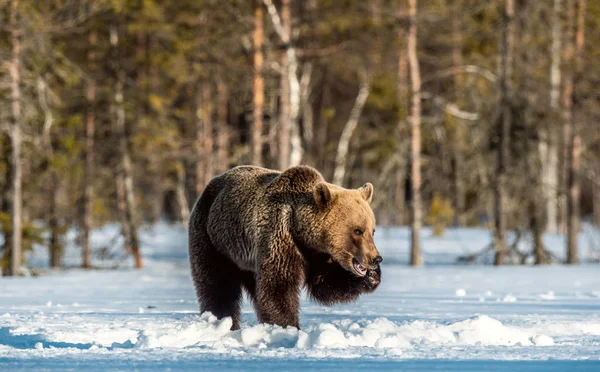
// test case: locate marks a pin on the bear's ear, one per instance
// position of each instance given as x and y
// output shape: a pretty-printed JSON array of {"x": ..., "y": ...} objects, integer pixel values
[
  {"x": 367, "y": 192},
  {"x": 322, "y": 194}
]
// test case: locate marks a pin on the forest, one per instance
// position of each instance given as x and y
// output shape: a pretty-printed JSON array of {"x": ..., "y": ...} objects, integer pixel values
[{"x": 462, "y": 113}]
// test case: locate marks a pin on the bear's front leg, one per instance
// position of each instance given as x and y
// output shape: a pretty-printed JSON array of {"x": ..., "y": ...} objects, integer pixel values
[{"x": 279, "y": 281}]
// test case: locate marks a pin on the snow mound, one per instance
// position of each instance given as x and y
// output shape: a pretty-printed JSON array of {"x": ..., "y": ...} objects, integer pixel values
[
  {"x": 461, "y": 292},
  {"x": 380, "y": 333},
  {"x": 548, "y": 296},
  {"x": 484, "y": 330},
  {"x": 208, "y": 330},
  {"x": 509, "y": 298}
]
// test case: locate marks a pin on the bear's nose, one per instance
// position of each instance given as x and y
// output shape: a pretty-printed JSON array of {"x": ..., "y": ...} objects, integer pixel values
[{"x": 377, "y": 260}]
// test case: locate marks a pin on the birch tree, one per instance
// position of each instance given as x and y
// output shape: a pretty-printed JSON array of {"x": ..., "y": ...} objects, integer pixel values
[
  {"x": 344, "y": 143},
  {"x": 289, "y": 135},
  {"x": 549, "y": 151},
  {"x": 15, "y": 133},
  {"x": 416, "y": 214},
  {"x": 90, "y": 130},
  {"x": 574, "y": 148},
  {"x": 503, "y": 131}
]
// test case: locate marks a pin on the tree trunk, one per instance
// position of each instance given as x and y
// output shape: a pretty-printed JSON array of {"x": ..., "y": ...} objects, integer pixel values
[
  {"x": 400, "y": 194},
  {"x": 5, "y": 202},
  {"x": 207, "y": 133},
  {"x": 184, "y": 207},
  {"x": 567, "y": 112},
  {"x": 157, "y": 189},
  {"x": 283, "y": 27},
  {"x": 14, "y": 70},
  {"x": 193, "y": 160},
  {"x": 458, "y": 174},
  {"x": 258, "y": 85},
  {"x": 537, "y": 229},
  {"x": 486, "y": 196},
  {"x": 223, "y": 127},
  {"x": 403, "y": 113},
  {"x": 574, "y": 158},
  {"x": 285, "y": 128},
  {"x": 550, "y": 162},
  {"x": 376, "y": 15},
  {"x": 564, "y": 153},
  {"x": 503, "y": 155},
  {"x": 273, "y": 133},
  {"x": 297, "y": 151},
  {"x": 458, "y": 137},
  {"x": 320, "y": 140},
  {"x": 122, "y": 208},
  {"x": 141, "y": 58},
  {"x": 157, "y": 200},
  {"x": 55, "y": 244},
  {"x": 416, "y": 258},
  {"x": 88, "y": 172},
  {"x": 285, "y": 122},
  {"x": 573, "y": 197},
  {"x": 125, "y": 171},
  {"x": 308, "y": 117},
  {"x": 344, "y": 143}
]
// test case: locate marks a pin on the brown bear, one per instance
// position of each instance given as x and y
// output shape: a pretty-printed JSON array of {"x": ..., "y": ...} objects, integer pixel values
[{"x": 273, "y": 233}]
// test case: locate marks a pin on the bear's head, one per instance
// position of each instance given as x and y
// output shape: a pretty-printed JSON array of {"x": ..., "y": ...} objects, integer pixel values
[{"x": 348, "y": 225}]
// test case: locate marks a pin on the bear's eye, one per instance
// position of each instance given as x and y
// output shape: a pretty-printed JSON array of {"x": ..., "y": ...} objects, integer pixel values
[{"x": 358, "y": 232}]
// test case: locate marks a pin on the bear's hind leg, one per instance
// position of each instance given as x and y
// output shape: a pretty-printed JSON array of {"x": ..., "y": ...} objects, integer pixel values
[
  {"x": 218, "y": 281},
  {"x": 218, "y": 286}
]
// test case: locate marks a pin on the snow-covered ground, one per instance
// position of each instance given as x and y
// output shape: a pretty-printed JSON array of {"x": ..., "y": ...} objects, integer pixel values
[{"x": 439, "y": 317}]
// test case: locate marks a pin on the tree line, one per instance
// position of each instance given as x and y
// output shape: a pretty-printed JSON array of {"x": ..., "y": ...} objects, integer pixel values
[{"x": 460, "y": 112}]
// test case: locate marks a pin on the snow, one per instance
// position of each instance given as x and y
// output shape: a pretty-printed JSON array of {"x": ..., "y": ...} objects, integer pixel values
[
  {"x": 461, "y": 292},
  {"x": 441, "y": 316}
]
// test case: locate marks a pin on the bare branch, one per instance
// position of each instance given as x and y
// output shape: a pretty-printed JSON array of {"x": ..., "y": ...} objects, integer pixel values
[
  {"x": 467, "y": 69},
  {"x": 48, "y": 118},
  {"x": 325, "y": 51},
  {"x": 276, "y": 21},
  {"x": 449, "y": 107},
  {"x": 305, "y": 80},
  {"x": 351, "y": 124},
  {"x": 384, "y": 177}
]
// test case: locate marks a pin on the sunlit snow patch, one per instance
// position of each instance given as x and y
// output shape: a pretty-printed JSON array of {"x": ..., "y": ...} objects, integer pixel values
[{"x": 380, "y": 333}]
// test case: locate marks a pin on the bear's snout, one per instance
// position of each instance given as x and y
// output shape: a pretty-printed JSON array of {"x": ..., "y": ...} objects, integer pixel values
[
  {"x": 371, "y": 258},
  {"x": 376, "y": 261}
]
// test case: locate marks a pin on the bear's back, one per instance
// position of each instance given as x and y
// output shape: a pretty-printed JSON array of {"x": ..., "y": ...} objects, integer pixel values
[
  {"x": 252, "y": 179},
  {"x": 247, "y": 198}
]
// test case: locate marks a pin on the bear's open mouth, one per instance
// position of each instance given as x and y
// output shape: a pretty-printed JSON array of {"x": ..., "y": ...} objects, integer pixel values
[{"x": 360, "y": 269}]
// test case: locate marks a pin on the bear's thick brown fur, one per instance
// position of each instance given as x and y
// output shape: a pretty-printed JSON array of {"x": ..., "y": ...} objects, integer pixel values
[{"x": 273, "y": 233}]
